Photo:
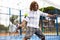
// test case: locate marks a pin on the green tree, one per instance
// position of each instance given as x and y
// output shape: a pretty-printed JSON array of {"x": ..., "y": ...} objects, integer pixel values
[
  {"x": 50, "y": 10},
  {"x": 12, "y": 18},
  {"x": 3, "y": 28}
]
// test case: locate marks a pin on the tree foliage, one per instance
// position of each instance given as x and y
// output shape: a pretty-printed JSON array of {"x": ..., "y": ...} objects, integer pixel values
[
  {"x": 50, "y": 10},
  {"x": 3, "y": 28},
  {"x": 12, "y": 18}
]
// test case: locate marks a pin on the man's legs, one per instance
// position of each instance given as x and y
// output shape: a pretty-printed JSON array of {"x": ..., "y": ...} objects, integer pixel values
[
  {"x": 40, "y": 34},
  {"x": 30, "y": 31}
]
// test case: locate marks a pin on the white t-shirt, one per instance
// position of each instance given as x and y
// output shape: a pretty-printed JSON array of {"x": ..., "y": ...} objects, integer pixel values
[{"x": 33, "y": 18}]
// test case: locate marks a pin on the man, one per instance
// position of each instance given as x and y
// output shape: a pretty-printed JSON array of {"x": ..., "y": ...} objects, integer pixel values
[{"x": 33, "y": 21}]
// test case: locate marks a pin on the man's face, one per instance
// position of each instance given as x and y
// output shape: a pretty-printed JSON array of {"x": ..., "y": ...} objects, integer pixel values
[{"x": 35, "y": 7}]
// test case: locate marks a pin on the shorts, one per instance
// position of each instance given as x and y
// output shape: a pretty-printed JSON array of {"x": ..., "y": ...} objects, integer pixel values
[{"x": 30, "y": 31}]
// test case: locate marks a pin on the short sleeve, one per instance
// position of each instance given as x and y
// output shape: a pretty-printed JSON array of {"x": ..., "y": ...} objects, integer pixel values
[{"x": 43, "y": 14}]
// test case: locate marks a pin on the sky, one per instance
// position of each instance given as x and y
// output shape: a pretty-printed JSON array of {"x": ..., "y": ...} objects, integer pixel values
[{"x": 23, "y": 5}]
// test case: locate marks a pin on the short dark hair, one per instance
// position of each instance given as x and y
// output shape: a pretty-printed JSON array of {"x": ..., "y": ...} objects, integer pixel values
[{"x": 32, "y": 5}]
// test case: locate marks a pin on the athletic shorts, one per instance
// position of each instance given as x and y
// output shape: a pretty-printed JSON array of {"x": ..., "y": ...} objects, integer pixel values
[{"x": 30, "y": 31}]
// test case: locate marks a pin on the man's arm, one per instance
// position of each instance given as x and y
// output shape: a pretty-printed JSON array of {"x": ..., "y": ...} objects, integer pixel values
[{"x": 49, "y": 15}]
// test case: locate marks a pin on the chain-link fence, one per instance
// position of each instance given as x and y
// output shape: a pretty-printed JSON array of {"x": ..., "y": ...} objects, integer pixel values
[{"x": 9, "y": 17}]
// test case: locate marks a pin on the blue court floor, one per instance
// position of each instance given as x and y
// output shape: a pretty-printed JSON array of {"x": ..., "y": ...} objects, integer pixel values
[{"x": 34, "y": 37}]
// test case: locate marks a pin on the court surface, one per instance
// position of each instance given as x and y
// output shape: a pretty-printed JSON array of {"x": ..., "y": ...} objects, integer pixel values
[{"x": 34, "y": 37}]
